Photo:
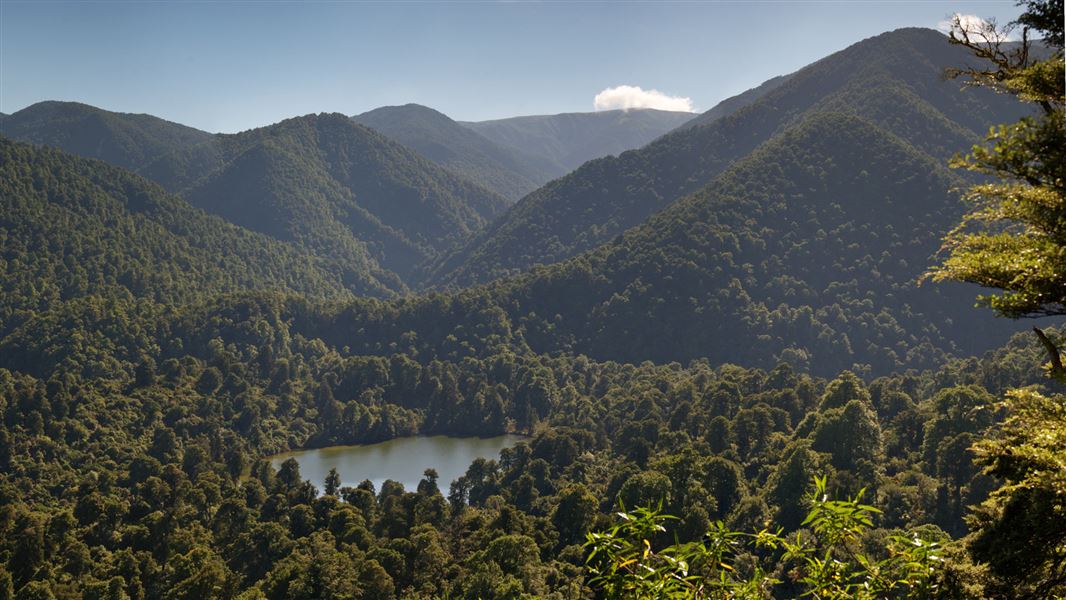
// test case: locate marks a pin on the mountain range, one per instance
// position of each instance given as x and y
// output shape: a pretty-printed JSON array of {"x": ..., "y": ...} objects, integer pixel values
[
  {"x": 785, "y": 224},
  {"x": 76, "y": 228},
  {"x": 894, "y": 80},
  {"x": 130, "y": 141},
  {"x": 568, "y": 140},
  {"x": 514, "y": 156},
  {"x": 329, "y": 184},
  {"x": 345, "y": 192},
  {"x": 503, "y": 169}
]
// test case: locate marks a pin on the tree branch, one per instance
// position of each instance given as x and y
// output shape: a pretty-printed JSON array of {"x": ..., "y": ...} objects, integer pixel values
[{"x": 1057, "y": 370}]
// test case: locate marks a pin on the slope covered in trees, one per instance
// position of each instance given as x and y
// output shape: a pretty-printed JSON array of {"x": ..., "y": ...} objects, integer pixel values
[
  {"x": 345, "y": 192},
  {"x": 893, "y": 80},
  {"x": 505, "y": 170},
  {"x": 333, "y": 186},
  {"x": 126, "y": 432},
  {"x": 74, "y": 228},
  {"x": 130, "y": 141},
  {"x": 808, "y": 251}
]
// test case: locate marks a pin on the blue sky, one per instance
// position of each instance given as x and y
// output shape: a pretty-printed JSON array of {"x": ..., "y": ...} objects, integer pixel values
[{"x": 229, "y": 66}]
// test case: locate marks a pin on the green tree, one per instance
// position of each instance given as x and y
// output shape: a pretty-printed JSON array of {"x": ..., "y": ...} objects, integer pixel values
[
  {"x": 1013, "y": 238},
  {"x": 333, "y": 482},
  {"x": 574, "y": 514},
  {"x": 1021, "y": 528}
]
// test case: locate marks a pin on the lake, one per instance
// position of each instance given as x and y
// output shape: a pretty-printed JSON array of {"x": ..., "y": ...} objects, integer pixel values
[{"x": 403, "y": 459}]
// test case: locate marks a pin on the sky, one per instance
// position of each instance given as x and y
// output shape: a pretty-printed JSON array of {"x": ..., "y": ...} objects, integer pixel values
[{"x": 227, "y": 66}]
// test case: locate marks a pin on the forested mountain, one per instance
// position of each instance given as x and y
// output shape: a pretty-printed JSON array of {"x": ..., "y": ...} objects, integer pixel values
[
  {"x": 347, "y": 193},
  {"x": 334, "y": 186},
  {"x": 759, "y": 333},
  {"x": 74, "y": 228},
  {"x": 568, "y": 140},
  {"x": 807, "y": 251},
  {"x": 505, "y": 170},
  {"x": 127, "y": 140},
  {"x": 893, "y": 80}
]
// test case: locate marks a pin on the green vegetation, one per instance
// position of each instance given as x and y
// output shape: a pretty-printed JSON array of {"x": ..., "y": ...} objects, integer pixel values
[
  {"x": 74, "y": 228},
  {"x": 830, "y": 563},
  {"x": 329, "y": 186},
  {"x": 1013, "y": 240},
  {"x": 126, "y": 431},
  {"x": 341, "y": 190},
  {"x": 150, "y": 355},
  {"x": 808, "y": 250}
]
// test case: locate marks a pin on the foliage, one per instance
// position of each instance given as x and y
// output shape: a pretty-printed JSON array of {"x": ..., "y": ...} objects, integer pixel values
[
  {"x": 826, "y": 563},
  {"x": 1013, "y": 238},
  {"x": 126, "y": 140},
  {"x": 1021, "y": 528},
  {"x": 321, "y": 182},
  {"x": 151, "y": 357}
]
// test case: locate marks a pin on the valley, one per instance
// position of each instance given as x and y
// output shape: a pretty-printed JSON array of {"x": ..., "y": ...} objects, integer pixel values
[{"x": 547, "y": 355}]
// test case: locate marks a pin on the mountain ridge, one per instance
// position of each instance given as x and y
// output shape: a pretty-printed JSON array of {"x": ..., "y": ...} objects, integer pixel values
[
  {"x": 603, "y": 198},
  {"x": 571, "y": 139},
  {"x": 437, "y": 137}
]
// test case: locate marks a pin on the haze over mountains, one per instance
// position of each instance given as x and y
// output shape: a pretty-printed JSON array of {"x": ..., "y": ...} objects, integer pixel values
[
  {"x": 517, "y": 155},
  {"x": 339, "y": 189},
  {"x": 568, "y": 140},
  {"x": 505, "y": 170}
]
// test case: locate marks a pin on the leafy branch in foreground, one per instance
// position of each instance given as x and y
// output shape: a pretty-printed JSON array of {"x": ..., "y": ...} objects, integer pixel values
[
  {"x": 826, "y": 562},
  {"x": 1014, "y": 240},
  {"x": 1014, "y": 237}
]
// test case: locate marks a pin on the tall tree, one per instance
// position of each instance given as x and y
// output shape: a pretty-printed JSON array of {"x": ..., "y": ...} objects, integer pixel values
[{"x": 1014, "y": 240}]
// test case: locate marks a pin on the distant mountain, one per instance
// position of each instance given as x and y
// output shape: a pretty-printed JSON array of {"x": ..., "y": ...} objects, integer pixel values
[
  {"x": 894, "y": 81},
  {"x": 504, "y": 170},
  {"x": 336, "y": 187},
  {"x": 75, "y": 228},
  {"x": 128, "y": 140},
  {"x": 569, "y": 140}
]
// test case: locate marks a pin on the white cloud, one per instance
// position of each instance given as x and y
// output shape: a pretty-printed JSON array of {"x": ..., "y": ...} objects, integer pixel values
[
  {"x": 632, "y": 96},
  {"x": 978, "y": 28}
]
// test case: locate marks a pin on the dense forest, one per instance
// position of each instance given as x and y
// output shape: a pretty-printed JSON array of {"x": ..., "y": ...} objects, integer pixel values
[{"x": 747, "y": 394}]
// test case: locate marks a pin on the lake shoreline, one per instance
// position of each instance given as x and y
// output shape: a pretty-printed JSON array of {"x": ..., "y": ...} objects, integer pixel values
[{"x": 402, "y": 459}]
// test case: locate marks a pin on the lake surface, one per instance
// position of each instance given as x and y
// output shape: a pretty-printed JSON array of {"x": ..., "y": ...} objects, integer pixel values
[{"x": 403, "y": 459}]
